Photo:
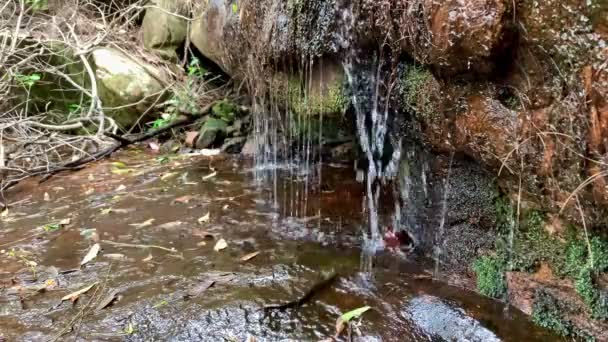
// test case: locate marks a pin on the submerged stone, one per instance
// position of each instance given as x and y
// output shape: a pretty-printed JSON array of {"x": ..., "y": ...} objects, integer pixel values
[{"x": 437, "y": 318}]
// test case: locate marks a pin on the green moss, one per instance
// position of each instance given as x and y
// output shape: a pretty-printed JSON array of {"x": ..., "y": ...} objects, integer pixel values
[
  {"x": 331, "y": 100},
  {"x": 490, "y": 274},
  {"x": 225, "y": 110},
  {"x": 583, "y": 267},
  {"x": 417, "y": 90}
]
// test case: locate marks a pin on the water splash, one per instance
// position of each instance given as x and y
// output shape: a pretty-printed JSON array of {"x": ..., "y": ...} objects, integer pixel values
[{"x": 440, "y": 236}]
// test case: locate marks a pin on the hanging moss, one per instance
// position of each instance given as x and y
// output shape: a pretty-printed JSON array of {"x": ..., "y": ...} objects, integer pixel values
[
  {"x": 418, "y": 87},
  {"x": 331, "y": 100}
]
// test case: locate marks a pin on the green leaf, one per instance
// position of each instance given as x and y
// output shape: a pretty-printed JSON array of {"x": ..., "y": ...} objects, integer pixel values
[
  {"x": 119, "y": 165},
  {"x": 51, "y": 227},
  {"x": 235, "y": 8},
  {"x": 347, "y": 317}
]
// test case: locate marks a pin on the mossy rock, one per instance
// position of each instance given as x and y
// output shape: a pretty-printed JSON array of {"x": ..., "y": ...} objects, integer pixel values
[
  {"x": 212, "y": 130},
  {"x": 164, "y": 32},
  {"x": 127, "y": 87},
  {"x": 225, "y": 110}
]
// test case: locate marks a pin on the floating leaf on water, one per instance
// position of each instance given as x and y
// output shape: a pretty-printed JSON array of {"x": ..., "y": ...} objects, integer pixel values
[
  {"x": 92, "y": 254},
  {"x": 47, "y": 197},
  {"x": 121, "y": 187},
  {"x": 74, "y": 295},
  {"x": 183, "y": 199},
  {"x": 107, "y": 300},
  {"x": 249, "y": 256},
  {"x": 143, "y": 224},
  {"x": 205, "y": 218},
  {"x": 170, "y": 225},
  {"x": 168, "y": 175},
  {"x": 118, "y": 165},
  {"x": 106, "y": 211},
  {"x": 221, "y": 244},
  {"x": 130, "y": 329},
  {"x": 122, "y": 171},
  {"x": 115, "y": 256},
  {"x": 163, "y": 159},
  {"x": 160, "y": 304},
  {"x": 154, "y": 146},
  {"x": 148, "y": 258},
  {"x": 201, "y": 244},
  {"x": 51, "y": 227},
  {"x": 209, "y": 176},
  {"x": 225, "y": 207},
  {"x": 343, "y": 320},
  {"x": 199, "y": 289}
]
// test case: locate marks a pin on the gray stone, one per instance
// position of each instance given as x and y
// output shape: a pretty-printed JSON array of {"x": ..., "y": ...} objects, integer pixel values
[{"x": 211, "y": 130}]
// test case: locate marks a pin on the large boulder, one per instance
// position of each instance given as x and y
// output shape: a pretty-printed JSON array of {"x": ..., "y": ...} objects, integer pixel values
[
  {"x": 165, "y": 27},
  {"x": 127, "y": 86}
]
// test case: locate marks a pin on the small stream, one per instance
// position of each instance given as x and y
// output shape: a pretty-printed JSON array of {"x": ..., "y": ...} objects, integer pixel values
[{"x": 186, "y": 204}]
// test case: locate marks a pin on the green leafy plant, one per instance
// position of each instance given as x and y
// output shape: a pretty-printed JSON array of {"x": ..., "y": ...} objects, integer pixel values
[
  {"x": 490, "y": 273},
  {"x": 51, "y": 227},
  {"x": 28, "y": 80},
  {"x": 164, "y": 120},
  {"x": 195, "y": 69},
  {"x": 38, "y": 5}
]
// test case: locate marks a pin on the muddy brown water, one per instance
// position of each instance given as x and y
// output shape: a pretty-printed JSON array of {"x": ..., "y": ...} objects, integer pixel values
[{"x": 301, "y": 240}]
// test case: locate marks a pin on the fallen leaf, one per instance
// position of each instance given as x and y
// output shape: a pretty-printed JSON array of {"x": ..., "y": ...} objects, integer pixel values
[
  {"x": 168, "y": 175},
  {"x": 201, "y": 244},
  {"x": 205, "y": 218},
  {"x": 115, "y": 256},
  {"x": 47, "y": 197},
  {"x": 148, "y": 258},
  {"x": 154, "y": 146},
  {"x": 170, "y": 225},
  {"x": 108, "y": 300},
  {"x": 199, "y": 289},
  {"x": 65, "y": 221},
  {"x": 74, "y": 295},
  {"x": 106, "y": 211},
  {"x": 50, "y": 283},
  {"x": 183, "y": 199},
  {"x": 122, "y": 171},
  {"x": 209, "y": 176},
  {"x": 4, "y": 213},
  {"x": 249, "y": 256},
  {"x": 225, "y": 207},
  {"x": 58, "y": 188},
  {"x": 92, "y": 254},
  {"x": 343, "y": 320},
  {"x": 143, "y": 224},
  {"x": 221, "y": 244},
  {"x": 121, "y": 187},
  {"x": 119, "y": 165},
  {"x": 191, "y": 138}
]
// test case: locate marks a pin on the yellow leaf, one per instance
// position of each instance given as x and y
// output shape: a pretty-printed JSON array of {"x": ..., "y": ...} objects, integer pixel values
[
  {"x": 221, "y": 244},
  {"x": 249, "y": 256},
  {"x": 74, "y": 295}
]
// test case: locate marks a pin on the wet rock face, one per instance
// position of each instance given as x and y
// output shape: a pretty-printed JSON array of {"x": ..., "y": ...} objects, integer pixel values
[
  {"x": 466, "y": 35},
  {"x": 440, "y": 320}
]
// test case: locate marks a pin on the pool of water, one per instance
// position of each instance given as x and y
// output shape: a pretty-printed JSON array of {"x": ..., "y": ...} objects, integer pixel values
[{"x": 159, "y": 275}]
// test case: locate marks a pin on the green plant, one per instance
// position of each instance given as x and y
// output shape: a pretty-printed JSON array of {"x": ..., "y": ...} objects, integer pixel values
[
  {"x": 28, "y": 80},
  {"x": 546, "y": 312},
  {"x": 225, "y": 110},
  {"x": 38, "y": 5},
  {"x": 490, "y": 273},
  {"x": 164, "y": 120},
  {"x": 195, "y": 69}
]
